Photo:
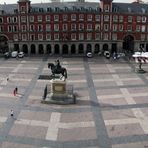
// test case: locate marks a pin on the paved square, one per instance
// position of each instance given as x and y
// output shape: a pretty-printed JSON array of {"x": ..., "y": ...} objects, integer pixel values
[{"x": 111, "y": 109}]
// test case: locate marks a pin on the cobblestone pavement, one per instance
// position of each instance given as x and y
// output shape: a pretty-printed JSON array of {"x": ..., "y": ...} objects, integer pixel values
[{"x": 111, "y": 109}]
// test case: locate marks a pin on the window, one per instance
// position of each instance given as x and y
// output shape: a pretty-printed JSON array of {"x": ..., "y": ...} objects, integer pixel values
[
  {"x": 32, "y": 37},
  {"x": 73, "y": 17},
  {"x": 115, "y": 18},
  {"x": 114, "y": 36},
  {"x": 48, "y": 27},
  {"x": 81, "y": 17},
  {"x": 143, "y": 28},
  {"x": 48, "y": 37},
  {"x": 39, "y": 18},
  {"x": 56, "y": 27},
  {"x": 81, "y": 36},
  {"x": 130, "y": 18},
  {"x": 56, "y": 17},
  {"x": 138, "y": 18},
  {"x": 32, "y": 28},
  {"x": 106, "y": 8},
  {"x": 24, "y": 37},
  {"x": 23, "y": 28},
  {"x": 89, "y": 36},
  {"x": 97, "y": 27},
  {"x": 1, "y": 28},
  {"x": 9, "y": 20},
  {"x": 56, "y": 36},
  {"x": 106, "y": 36},
  {"x": 15, "y": 29},
  {"x": 40, "y": 36},
  {"x": 89, "y": 17},
  {"x": 114, "y": 27},
  {"x": 65, "y": 17},
  {"x": 23, "y": 19},
  {"x": 15, "y": 37},
  {"x": 73, "y": 27},
  {"x": 106, "y": 27},
  {"x": 9, "y": 28},
  {"x": 64, "y": 27},
  {"x": 120, "y": 18},
  {"x": 138, "y": 28},
  {"x": 14, "y": 19},
  {"x": 106, "y": 18},
  {"x": 23, "y": 9},
  {"x": 97, "y": 18},
  {"x": 89, "y": 27},
  {"x": 142, "y": 37},
  {"x": 1, "y": 20},
  {"x": 81, "y": 27},
  {"x": 47, "y": 18},
  {"x": 31, "y": 18},
  {"x": 73, "y": 36},
  {"x": 129, "y": 27},
  {"x": 97, "y": 36},
  {"x": 40, "y": 27},
  {"x": 143, "y": 19},
  {"x": 120, "y": 27}
]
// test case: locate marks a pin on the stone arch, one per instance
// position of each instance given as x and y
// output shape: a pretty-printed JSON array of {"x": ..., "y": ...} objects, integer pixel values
[
  {"x": 41, "y": 49},
  {"x": 73, "y": 49},
  {"x": 105, "y": 47},
  {"x": 65, "y": 49},
  {"x": 128, "y": 43},
  {"x": 3, "y": 44},
  {"x": 81, "y": 49},
  {"x": 57, "y": 49},
  {"x": 97, "y": 49},
  {"x": 48, "y": 49},
  {"x": 25, "y": 48},
  {"x": 33, "y": 49},
  {"x": 88, "y": 48}
]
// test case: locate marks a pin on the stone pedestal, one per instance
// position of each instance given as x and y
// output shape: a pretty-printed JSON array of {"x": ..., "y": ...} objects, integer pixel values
[{"x": 58, "y": 92}]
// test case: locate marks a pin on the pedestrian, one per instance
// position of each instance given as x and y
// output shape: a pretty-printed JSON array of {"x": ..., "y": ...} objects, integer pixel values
[
  {"x": 7, "y": 79},
  {"x": 16, "y": 90},
  {"x": 11, "y": 113}
]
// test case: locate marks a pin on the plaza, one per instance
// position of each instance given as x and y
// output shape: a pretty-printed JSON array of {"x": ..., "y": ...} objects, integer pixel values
[{"x": 110, "y": 112}]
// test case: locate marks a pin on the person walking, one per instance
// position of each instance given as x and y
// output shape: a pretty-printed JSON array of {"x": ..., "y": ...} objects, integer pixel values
[
  {"x": 11, "y": 113},
  {"x": 16, "y": 90}
]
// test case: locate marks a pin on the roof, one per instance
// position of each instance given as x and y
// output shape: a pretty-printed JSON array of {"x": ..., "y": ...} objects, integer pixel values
[{"x": 79, "y": 6}]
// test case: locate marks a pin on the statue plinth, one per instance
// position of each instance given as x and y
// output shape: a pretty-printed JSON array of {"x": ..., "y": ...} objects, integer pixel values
[{"x": 58, "y": 92}]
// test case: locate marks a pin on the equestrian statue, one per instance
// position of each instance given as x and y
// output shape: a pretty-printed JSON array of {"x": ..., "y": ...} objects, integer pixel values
[{"x": 57, "y": 69}]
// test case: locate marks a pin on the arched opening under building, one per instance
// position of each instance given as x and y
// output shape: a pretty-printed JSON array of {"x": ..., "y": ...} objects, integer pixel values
[
  {"x": 56, "y": 49},
  {"x": 105, "y": 47},
  {"x": 146, "y": 48},
  {"x": 25, "y": 48},
  {"x": 41, "y": 49},
  {"x": 88, "y": 48},
  {"x": 33, "y": 50},
  {"x": 3, "y": 44},
  {"x": 65, "y": 49},
  {"x": 97, "y": 49},
  {"x": 16, "y": 47},
  {"x": 81, "y": 49},
  {"x": 48, "y": 49},
  {"x": 128, "y": 44},
  {"x": 73, "y": 49},
  {"x": 114, "y": 48}
]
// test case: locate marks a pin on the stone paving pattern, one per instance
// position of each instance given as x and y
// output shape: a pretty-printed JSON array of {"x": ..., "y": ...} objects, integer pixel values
[{"x": 111, "y": 109}]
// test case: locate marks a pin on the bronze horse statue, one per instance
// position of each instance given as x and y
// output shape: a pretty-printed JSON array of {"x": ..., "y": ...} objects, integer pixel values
[{"x": 57, "y": 69}]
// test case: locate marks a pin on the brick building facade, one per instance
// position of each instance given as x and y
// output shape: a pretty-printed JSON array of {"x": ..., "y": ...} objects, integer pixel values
[{"x": 73, "y": 27}]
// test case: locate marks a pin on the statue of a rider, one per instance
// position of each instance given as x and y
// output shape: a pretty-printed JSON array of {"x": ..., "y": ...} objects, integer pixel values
[{"x": 57, "y": 65}]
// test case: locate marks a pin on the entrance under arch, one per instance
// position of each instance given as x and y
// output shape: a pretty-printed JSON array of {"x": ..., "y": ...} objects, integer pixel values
[
  {"x": 56, "y": 49},
  {"x": 33, "y": 50},
  {"x": 88, "y": 49},
  {"x": 48, "y": 49},
  {"x": 97, "y": 49},
  {"x": 3, "y": 44},
  {"x": 65, "y": 49},
  {"x": 81, "y": 49},
  {"x": 25, "y": 49},
  {"x": 128, "y": 43},
  {"x": 105, "y": 47},
  {"x": 41, "y": 49},
  {"x": 73, "y": 49}
]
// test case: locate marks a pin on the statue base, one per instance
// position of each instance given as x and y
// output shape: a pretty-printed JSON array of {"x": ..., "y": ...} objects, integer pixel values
[
  {"x": 141, "y": 71},
  {"x": 58, "y": 92}
]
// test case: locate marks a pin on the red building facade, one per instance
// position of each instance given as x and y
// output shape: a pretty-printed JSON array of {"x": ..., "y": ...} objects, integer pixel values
[{"x": 73, "y": 27}]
